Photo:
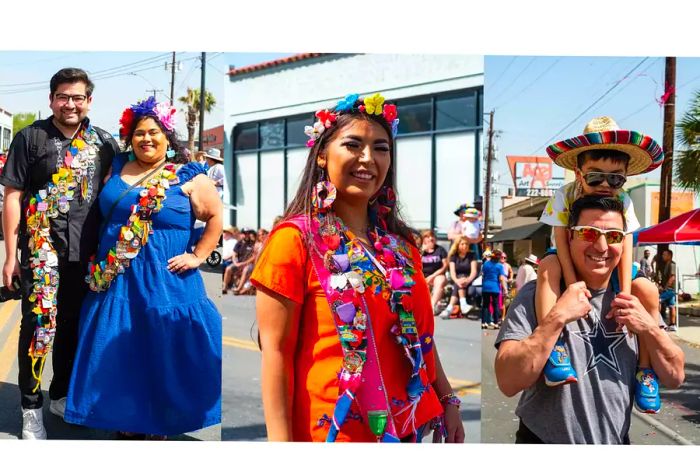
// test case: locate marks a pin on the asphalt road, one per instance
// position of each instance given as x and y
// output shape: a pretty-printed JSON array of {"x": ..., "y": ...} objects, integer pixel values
[
  {"x": 677, "y": 423},
  {"x": 457, "y": 340},
  {"x": 56, "y": 428}
]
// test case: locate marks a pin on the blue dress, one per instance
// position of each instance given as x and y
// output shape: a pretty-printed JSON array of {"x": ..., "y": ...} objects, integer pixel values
[{"x": 149, "y": 352}]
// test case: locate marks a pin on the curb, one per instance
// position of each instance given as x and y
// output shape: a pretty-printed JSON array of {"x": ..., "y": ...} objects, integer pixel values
[
  {"x": 689, "y": 310},
  {"x": 652, "y": 422}
]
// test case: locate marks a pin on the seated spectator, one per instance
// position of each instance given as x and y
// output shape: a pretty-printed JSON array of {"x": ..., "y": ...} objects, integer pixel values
[
  {"x": 243, "y": 257},
  {"x": 463, "y": 270},
  {"x": 434, "y": 258},
  {"x": 229, "y": 242}
]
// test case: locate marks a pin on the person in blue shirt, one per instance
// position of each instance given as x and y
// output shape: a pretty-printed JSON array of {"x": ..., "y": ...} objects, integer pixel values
[{"x": 493, "y": 281}]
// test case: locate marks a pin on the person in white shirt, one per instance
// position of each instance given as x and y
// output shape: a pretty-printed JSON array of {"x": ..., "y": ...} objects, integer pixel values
[
  {"x": 526, "y": 272},
  {"x": 216, "y": 169}
]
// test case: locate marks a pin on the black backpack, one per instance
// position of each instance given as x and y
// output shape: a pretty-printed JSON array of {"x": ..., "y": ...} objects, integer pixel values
[{"x": 38, "y": 136}]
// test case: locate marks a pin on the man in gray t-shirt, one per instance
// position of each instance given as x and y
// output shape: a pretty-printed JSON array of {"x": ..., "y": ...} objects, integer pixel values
[{"x": 596, "y": 409}]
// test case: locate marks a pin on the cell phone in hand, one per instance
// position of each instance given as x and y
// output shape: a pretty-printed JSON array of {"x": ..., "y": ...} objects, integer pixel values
[{"x": 12, "y": 292}]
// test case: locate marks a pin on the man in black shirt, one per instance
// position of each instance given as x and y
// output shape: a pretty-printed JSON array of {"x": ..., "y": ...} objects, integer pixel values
[{"x": 64, "y": 140}]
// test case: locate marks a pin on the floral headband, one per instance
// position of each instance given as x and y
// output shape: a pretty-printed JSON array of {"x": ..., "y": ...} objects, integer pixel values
[
  {"x": 163, "y": 111},
  {"x": 373, "y": 105}
]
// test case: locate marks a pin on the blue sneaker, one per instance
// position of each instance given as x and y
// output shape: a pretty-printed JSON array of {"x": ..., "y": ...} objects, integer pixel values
[
  {"x": 646, "y": 392},
  {"x": 558, "y": 369}
]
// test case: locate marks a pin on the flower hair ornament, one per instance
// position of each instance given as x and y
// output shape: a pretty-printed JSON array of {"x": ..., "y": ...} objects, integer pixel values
[
  {"x": 163, "y": 111},
  {"x": 372, "y": 105}
]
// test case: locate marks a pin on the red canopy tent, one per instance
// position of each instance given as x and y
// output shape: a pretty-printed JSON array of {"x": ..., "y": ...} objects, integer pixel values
[{"x": 682, "y": 229}]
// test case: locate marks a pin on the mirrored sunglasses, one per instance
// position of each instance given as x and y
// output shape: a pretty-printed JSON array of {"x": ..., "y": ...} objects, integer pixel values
[
  {"x": 592, "y": 234},
  {"x": 614, "y": 180}
]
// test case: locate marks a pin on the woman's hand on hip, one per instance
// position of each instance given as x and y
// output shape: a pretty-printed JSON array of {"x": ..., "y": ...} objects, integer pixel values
[{"x": 184, "y": 262}]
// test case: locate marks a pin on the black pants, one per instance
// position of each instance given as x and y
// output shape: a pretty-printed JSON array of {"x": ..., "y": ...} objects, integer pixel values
[
  {"x": 71, "y": 291},
  {"x": 525, "y": 436},
  {"x": 490, "y": 299}
]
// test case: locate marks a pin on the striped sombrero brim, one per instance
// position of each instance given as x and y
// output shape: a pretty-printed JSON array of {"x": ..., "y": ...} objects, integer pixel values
[{"x": 645, "y": 153}]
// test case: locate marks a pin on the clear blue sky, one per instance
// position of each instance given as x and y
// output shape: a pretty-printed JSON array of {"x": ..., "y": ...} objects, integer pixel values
[
  {"x": 121, "y": 78},
  {"x": 536, "y": 97}
]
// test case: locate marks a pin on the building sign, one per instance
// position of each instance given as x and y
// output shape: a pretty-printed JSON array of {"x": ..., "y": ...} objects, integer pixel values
[
  {"x": 533, "y": 176},
  {"x": 681, "y": 202}
]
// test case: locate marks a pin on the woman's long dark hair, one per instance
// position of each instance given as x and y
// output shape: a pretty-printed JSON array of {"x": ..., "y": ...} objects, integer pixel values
[
  {"x": 171, "y": 135},
  {"x": 301, "y": 204}
]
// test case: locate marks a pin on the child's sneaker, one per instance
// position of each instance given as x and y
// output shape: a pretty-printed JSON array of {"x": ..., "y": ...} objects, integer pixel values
[
  {"x": 557, "y": 369},
  {"x": 646, "y": 392}
]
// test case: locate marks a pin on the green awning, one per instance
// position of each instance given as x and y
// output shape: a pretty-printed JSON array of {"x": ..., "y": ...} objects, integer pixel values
[{"x": 518, "y": 233}]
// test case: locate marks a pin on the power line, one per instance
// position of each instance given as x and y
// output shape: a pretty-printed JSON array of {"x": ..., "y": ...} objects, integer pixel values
[
  {"x": 44, "y": 85},
  {"x": 575, "y": 119},
  {"x": 93, "y": 75},
  {"x": 641, "y": 108},
  {"x": 502, "y": 73},
  {"x": 515, "y": 79},
  {"x": 529, "y": 85}
]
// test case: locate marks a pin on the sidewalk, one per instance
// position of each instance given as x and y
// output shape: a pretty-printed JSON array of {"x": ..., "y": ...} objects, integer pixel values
[{"x": 689, "y": 329}]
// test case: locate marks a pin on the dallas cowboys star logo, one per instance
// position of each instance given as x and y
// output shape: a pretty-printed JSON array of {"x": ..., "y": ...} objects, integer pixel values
[{"x": 604, "y": 344}]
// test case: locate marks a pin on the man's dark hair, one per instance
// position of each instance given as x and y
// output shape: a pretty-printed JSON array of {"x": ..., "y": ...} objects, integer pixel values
[
  {"x": 71, "y": 75},
  {"x": 605, "y": 203},
  {"x": 603, "y": 154}
]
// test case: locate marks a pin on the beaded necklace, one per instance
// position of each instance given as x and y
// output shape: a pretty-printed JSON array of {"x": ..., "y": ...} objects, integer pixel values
[
  {"x": 75, "y": 171},
  {"x": 387, "y": 270},
  {"x": 134, "y": 235}
]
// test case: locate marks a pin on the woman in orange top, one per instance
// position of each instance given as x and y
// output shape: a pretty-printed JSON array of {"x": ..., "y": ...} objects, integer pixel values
[{"x": 343, "y": 309}]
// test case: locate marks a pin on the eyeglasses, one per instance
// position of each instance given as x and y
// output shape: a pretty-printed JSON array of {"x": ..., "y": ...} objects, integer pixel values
[
  {"x": 614, "y": 180},
  {"x": 64, "y": 98},
  {"x": 592, "y": 234}
]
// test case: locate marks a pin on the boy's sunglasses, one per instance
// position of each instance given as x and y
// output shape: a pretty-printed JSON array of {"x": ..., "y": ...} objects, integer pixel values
[
  {"x": 614, "y": 180},
  {"x": 592, "y": 234}
]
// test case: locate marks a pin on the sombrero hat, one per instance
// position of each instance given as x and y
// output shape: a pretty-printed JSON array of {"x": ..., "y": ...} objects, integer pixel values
[{"x": 604, "y": 133}]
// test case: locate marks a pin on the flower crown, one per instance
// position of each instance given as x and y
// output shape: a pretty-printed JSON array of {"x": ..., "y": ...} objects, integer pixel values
[
  {"x": 373, "y": 105},
  {"x": 163, "y": 111}
]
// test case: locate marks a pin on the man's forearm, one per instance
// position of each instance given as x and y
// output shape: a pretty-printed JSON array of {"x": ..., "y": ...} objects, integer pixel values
[
  {"x": 11, "y": 213},
  {"x": 667, "y": 358},
  {"x": 519, "y": 363}
]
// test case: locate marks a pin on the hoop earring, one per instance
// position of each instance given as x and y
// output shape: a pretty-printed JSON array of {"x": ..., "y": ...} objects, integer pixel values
[{"x": 323, "y": 194}]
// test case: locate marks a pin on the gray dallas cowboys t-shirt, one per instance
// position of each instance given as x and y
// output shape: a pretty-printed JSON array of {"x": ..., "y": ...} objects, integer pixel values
[{"x": 597, "y": 409}]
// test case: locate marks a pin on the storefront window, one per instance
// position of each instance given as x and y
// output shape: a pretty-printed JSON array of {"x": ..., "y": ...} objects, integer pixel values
[
  {"x": 245, "y": 136},
  {"x": 458, "y": 111},
  {"x": 414, "y": 116},
  {"x": 272, "y": 134}
]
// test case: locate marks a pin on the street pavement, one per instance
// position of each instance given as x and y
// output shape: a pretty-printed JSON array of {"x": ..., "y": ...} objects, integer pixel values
[
  {"x": 677, "y": 423},
  {"x": 457, "y": 341},
  {"x": 56, "y": 428}
]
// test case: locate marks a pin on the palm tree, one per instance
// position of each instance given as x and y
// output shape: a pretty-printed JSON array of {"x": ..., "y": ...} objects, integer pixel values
[
  {"x": 191, "y": 100},
  {"x": 688, "y": 160}
]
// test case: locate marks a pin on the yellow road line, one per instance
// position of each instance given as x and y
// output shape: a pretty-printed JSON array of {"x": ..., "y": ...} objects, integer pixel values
[
  {"x": 8, "y": 308},
  {"x": 461, "y": 387},
  {"x": 244, "y": 344},
  {"x": 8, "y": 354}
]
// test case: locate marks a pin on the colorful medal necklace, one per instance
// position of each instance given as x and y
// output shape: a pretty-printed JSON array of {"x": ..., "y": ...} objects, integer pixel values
[
  {"x": 134, "y": 235},
  {"x": 74, "y": 177},
  {"x": 386, "y": 269}
]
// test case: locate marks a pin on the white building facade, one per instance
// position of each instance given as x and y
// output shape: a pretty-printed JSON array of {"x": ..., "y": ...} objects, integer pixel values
[
  {"x": 645, "y": 197},
  {"x": 5, "y": 130},
  {"x": 440, "y": 106}
]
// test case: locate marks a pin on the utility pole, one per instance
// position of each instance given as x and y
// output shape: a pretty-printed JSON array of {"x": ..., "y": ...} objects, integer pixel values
[
  {"x": 202, "y": 99},
  {"x": 172, "y": 80},
  {"x": 666, "y": 187},
  {"x": 487, "y": 189}
]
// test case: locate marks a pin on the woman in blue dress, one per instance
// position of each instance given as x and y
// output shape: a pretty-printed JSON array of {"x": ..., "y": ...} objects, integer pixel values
[{"x": 149, "y": 355}]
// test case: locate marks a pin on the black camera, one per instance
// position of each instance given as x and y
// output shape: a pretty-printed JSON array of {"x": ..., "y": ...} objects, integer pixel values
[{"x": 13, "y": 292}]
